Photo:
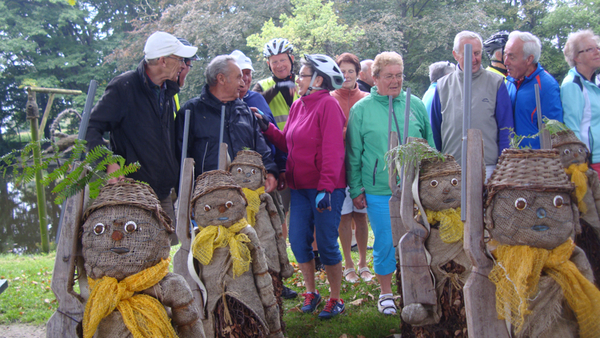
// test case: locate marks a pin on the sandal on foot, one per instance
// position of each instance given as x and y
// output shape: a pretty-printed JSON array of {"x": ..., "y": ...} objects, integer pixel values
[
  {"x": 387, "y": 309},
  {"x": 349, "y": 279},
  {"x": 363, "y": 270}
]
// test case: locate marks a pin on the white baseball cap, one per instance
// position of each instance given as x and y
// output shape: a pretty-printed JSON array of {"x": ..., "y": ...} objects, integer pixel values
[
  {"x": 164, "y": 44},
  {"x": 242, "y": 60}
]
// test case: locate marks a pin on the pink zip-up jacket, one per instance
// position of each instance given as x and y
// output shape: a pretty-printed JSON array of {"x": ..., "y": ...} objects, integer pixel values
[{"x": 313, "y": 138}]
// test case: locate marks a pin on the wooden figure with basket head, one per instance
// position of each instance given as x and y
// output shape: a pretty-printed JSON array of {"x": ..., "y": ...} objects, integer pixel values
[
  {"x": 574, "y": 156},
  {"x": 543, "y": 280},
  {"x": 231, "y": 262},
  {"x": 125, "y": 240}
]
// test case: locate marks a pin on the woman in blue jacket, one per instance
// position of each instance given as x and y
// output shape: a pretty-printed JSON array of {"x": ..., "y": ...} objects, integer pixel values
[{"x": 579, "y": 94}]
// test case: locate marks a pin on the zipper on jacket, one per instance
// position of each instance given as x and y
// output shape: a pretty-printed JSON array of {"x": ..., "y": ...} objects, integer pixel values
[{"x": 375, "y": 171}]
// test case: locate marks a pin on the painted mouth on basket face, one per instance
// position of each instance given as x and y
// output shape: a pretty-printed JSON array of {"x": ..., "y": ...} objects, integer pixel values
[
  {"x": 246, "y": 181},
  {"x": 223, "y": 218},
  {"x": 119, "y": 250},
  {"x": 449, "y": 200},
  {"x": 540, "y": 227}
]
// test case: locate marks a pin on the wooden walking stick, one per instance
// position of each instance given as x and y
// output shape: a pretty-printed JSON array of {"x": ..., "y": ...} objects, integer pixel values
[
  {"x": 418, "y": 287},
  {"x": 479, "y": 291},
  {"x": 544, "y": 134},
  {"x": 184, "y": 229}
]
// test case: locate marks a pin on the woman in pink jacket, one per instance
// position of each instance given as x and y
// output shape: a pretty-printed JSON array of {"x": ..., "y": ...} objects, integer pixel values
[{"x": 315, "y": 171}]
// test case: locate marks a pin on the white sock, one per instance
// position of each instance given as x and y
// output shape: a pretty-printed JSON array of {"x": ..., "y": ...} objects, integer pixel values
[{"x": 388, "y": 302}]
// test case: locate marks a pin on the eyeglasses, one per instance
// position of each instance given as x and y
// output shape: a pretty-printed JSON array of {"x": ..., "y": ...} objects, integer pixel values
[
  {"x": 591, "y": 49},
  {"x": 389, "y": 77},
  {"x": 303, "y": 76},
  {"x": 182, "y": 60}
]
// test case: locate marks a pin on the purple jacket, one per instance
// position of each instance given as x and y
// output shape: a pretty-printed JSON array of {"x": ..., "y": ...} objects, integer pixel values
[{"x": 313, "y": 138}]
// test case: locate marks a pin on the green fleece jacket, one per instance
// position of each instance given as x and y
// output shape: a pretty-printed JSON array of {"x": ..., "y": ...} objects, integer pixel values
[{"x": 367, "y": 139}]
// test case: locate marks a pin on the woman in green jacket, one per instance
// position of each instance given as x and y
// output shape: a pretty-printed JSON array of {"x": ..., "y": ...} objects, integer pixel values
[{"x": 367, "y": 173}]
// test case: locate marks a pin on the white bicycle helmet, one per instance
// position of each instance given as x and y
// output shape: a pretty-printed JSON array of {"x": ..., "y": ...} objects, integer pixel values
[
  {"x": 277, "y": 46},
  {"x": 327, "y": 68}
]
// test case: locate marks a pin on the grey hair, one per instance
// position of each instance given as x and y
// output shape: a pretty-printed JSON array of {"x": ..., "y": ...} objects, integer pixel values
[
  {"x": 439, "y": 69},
  {"x": 573, "y": 44},
  {"x": 465, "y": 35},
  {"x": 365, "y": 64},
  {"x": 531, "y": 44},
  {"x": 218, "y": 65}
]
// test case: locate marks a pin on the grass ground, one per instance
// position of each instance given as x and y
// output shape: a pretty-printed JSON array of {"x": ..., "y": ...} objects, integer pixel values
[{"x": 29, "y": 299}]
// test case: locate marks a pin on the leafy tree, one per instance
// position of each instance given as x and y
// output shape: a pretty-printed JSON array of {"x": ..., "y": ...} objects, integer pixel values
[{"x": 313, "y": 27}]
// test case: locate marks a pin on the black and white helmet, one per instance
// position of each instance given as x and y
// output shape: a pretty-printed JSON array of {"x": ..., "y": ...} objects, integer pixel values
[
  {"x": 495, "y": 42},
  {"x": 327, "y": 68},
  {"x": 277, "y": 46}
]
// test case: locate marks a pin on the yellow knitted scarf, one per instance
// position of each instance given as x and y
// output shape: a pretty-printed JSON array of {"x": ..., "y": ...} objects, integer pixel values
[
  {"x": 517, "y": 273},
  {"x": 218, "y": 236},
  {"x": 143, "y": 315},
  {"x": 253, "y": 197},
  {"x": 577, "y": 174},
  {"x": 451, "y": 226}
]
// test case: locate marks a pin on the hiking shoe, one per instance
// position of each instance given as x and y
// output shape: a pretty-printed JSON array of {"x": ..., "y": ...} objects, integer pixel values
[
  {"x": 288, "y": 293},
  {"x": 311, "y": 301},
  {"x": 333, "y": 308}
]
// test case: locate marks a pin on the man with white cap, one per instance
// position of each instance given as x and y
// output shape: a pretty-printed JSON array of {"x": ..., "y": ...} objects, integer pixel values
[{"x": 137, "y": 110}]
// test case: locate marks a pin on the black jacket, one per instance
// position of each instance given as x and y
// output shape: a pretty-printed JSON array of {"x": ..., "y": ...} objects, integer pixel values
[
  {"x": 363, "y": 86},
  {"x": 241, "y": 131},
  {"x": 129, "y": 110}
]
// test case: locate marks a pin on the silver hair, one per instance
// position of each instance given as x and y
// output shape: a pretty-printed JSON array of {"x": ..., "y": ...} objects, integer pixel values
[
  {"x": 364, "y": 65},
  {"x": 531, "y": 44},
  {"x": 573, "y": 45},
  {"x": 465, "y": 35},
  {"x": 218, "y": 65},
  {"x": 439, "y": 69}
]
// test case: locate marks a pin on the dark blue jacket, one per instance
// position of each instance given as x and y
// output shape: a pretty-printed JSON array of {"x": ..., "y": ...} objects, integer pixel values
[
  {"x": 241, "y": 131},
  {"x": 522, "y": 96},
  {"x": 254, "y": 99}
]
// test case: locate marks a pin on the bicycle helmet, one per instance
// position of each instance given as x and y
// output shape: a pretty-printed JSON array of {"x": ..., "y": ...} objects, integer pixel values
[
  {"x": 325, "y": 67},
  {"x": 495, "y": 42},
  {"x": 277, "y": 46}
]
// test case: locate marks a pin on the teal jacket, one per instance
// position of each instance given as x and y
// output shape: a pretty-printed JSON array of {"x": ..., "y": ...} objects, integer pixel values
[{"x": 367, "y": 139}]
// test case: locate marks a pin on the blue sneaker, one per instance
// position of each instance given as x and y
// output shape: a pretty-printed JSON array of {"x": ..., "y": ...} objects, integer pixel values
[
  {"x": 333, "y": 308},
  {"x": 311, "y": 301}
]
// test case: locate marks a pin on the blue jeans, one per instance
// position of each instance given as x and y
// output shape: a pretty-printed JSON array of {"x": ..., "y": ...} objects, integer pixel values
[
  {"x": 384, "y": 256},
  {"x": 305, "y": 219}
]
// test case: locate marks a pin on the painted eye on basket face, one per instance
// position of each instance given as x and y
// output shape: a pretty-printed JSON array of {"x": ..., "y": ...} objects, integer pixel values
[
  {"x": 253, "y": 171},
  {"x": 229, "y": 204},
  {"x": 567, "y": 151},
  {"x": 239, "y": 170},
  {"x": 207, "y": 208},
  {"x": 558, "y": 201},
  {"x": 130, "y": 227},
  {"x": 434, "y": 183},
  {"x": 454, "y": 182},
  {"x": 99, "y": 229},
  {"x": 520, "y": 203}
]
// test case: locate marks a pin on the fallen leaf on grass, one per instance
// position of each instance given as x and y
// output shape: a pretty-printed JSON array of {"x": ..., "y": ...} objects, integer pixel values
[
  {"x": 344, "y": 335},
  {"x": 370, "y": 296},
  {"x": 294, "y": 309},
  {"x": 358, "y": 302}
]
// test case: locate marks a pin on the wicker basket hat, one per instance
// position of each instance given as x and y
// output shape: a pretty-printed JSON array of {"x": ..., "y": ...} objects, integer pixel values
[
  {"x": 434, "y": 167},
  {"x": 133, "y": 193},
  {"x": 528, "y": 169},
  {"x": 565, "y": 137},
  {"x": 249, "y": 157},
  {"x": 213, "y": 180}
]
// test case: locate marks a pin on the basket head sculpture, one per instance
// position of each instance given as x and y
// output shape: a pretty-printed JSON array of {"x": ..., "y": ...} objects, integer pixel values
[
  {"x": 124, "y": 231},
  {"x": 528, "y": 200},
  {"x": 248, "y": 170},
  {"x": 214, "y": 189},
  {"x": 439, "y": 183},
  {"x": 570, "y": 148}
]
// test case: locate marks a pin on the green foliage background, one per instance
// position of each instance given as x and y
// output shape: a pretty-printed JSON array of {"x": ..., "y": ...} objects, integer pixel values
[{"x": 54, "y": 44}]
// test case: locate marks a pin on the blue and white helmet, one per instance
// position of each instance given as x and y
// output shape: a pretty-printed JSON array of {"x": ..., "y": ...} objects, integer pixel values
[
  {"x": 327, "y": 68},
  {"x": 277, "y": 46}
]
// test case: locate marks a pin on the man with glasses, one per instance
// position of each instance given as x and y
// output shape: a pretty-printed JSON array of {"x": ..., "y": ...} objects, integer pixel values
[
  {"x": 521, "y": 56},
  {"x": 137, "y": 110},
  {"x": 490, "y": 105},
  {"x": 184, "y": 72}
]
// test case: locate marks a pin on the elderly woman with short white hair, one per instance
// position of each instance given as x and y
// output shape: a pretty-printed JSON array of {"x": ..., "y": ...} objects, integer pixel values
[{"x": 579, "y": 94}]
